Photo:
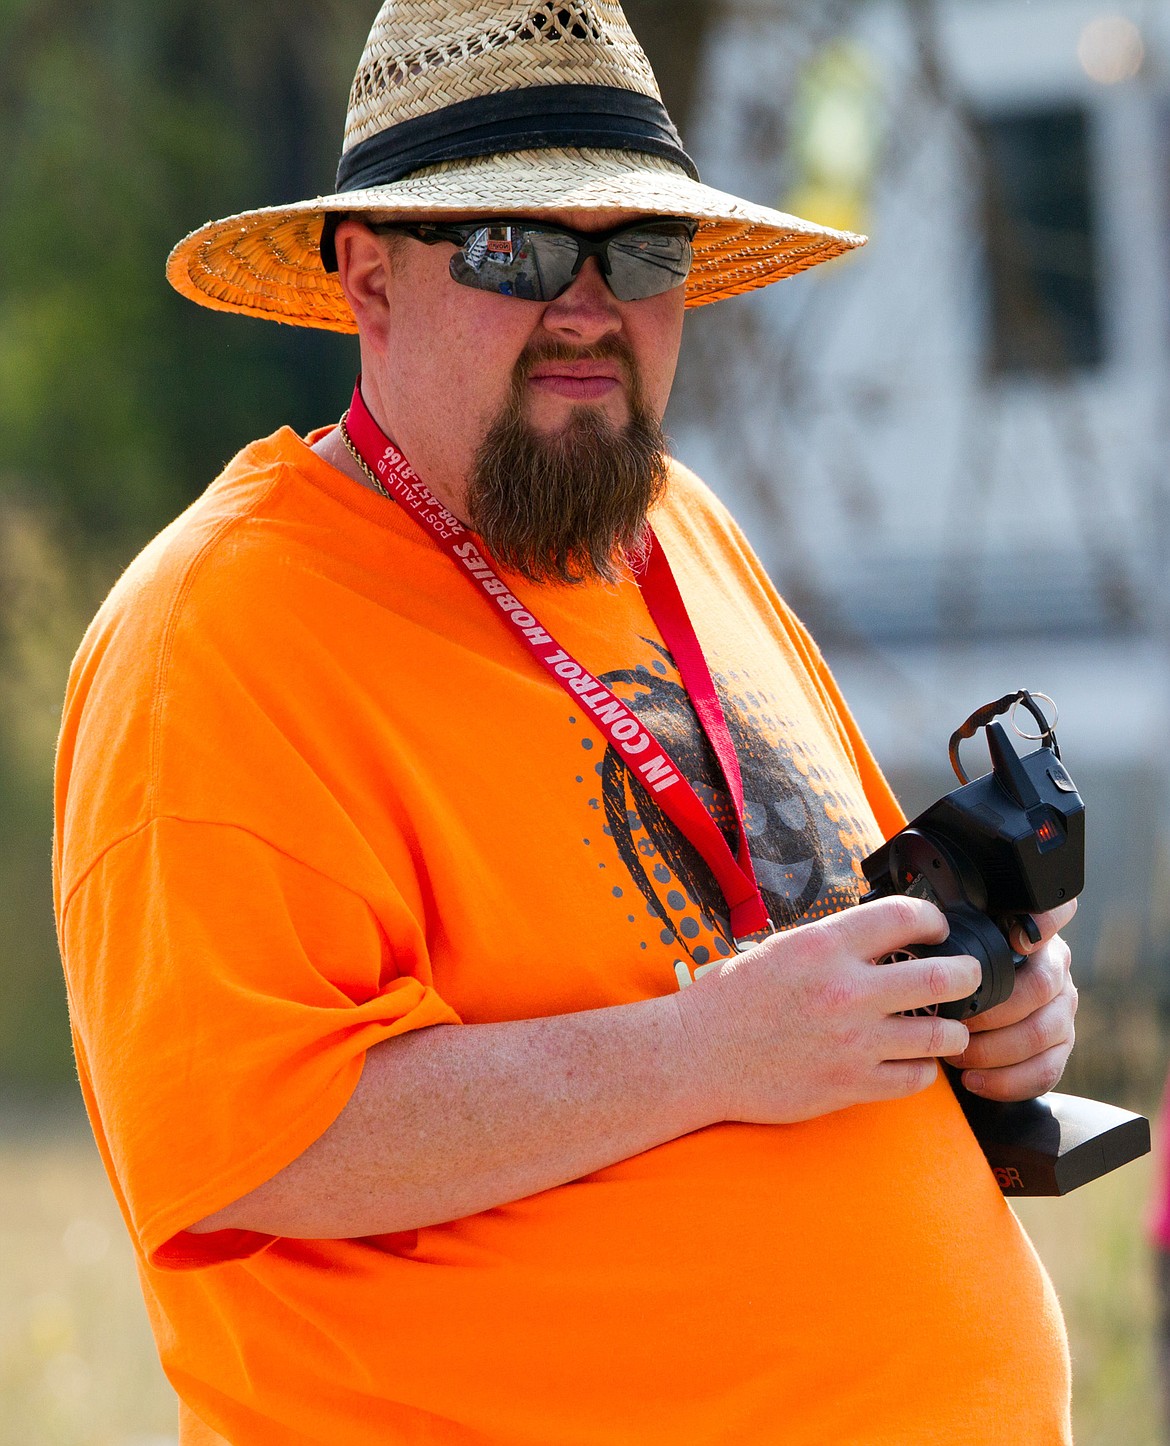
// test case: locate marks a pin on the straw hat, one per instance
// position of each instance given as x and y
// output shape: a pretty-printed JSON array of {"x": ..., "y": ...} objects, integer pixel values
[{"x": 494, "y": 107}]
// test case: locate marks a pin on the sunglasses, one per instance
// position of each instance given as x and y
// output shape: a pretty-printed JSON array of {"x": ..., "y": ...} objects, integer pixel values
[{"x": 536, "y": 261}]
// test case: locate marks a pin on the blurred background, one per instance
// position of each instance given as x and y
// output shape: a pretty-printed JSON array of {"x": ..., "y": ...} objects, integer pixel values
[{"x": 950, "y": 450}]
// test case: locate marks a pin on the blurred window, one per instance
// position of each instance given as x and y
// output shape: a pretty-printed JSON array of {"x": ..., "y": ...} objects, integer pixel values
[{"x": 1041, "y": 248}]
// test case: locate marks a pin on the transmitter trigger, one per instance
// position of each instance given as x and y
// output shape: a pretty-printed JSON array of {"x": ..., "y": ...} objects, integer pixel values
[{"x": 1029, "y": 928}]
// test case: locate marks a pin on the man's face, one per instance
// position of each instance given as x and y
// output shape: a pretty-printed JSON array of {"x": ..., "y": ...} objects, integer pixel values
[{"x": 514, "y": 410}]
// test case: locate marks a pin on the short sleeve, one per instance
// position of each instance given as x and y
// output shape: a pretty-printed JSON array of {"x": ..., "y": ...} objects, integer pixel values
[{"x": 223, "y": 997}]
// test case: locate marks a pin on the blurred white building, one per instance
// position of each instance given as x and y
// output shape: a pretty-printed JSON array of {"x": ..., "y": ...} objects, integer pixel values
[{"x": 951, "y": 449}]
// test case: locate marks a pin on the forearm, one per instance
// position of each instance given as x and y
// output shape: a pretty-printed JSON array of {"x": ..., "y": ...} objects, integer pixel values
[
  {"x": 452, "y": 1120},
  {"x": 456, "y": 1119}
]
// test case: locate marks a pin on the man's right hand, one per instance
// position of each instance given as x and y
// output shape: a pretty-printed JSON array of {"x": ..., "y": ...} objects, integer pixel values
[{"x": 807, "y": 1022}]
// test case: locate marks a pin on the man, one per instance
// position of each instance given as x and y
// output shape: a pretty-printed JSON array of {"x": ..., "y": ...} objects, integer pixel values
[{"x": 462, "y": 1073}]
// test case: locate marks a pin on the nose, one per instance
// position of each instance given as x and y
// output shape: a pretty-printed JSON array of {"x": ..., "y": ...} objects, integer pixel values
[{"x": 587, "y": 311}]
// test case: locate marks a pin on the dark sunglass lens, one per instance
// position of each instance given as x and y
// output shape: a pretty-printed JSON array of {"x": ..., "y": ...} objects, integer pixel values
[
  {"x": 532, "y": 264},
  {"x": 646, "y": 262}
]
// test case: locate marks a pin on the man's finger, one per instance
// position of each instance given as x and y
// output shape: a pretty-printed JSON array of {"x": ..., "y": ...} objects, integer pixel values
[
  {"x": 887, "y": 926},
  {"x": 1024, "y": 1081},
  {"x": 1044, "y": 977},
  {"x": 898, "y": 1078},
  {"x": 924, "y": 1037},
  {"x": 910, "y": 984},
  {"x": 1046, "y": 924},
  {"x": 999, "y": 1048}
]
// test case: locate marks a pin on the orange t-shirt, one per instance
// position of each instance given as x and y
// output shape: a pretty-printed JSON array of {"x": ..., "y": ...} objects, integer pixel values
[{"x": 312, "y": 794}]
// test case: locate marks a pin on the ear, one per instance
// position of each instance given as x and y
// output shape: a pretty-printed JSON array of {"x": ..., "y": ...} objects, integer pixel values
[{"x": 363, "y": 268}]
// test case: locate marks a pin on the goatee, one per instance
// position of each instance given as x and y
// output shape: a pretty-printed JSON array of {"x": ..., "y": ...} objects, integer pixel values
[{"x": 568, "y": 506}]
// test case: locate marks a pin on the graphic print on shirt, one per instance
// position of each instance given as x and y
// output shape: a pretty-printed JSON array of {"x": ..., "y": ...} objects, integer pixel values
[{"x": 801, "y": 821}]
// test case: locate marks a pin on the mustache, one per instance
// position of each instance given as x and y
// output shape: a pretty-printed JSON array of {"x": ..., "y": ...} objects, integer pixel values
[{"x": 609, "y": 348}]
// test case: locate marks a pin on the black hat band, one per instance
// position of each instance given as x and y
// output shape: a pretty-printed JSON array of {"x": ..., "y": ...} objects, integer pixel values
[{"x": 541, "y": 117}]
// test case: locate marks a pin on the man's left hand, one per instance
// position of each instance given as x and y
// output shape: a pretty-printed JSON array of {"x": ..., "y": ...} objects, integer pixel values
[{"x": 1018, "y": 1050}]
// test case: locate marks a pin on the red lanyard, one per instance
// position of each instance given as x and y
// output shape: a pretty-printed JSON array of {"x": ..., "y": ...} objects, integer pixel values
[{"x": 644, "y": 756}]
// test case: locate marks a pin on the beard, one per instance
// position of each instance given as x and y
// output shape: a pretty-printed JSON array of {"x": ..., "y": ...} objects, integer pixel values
[{"x": 568, "y": 506}]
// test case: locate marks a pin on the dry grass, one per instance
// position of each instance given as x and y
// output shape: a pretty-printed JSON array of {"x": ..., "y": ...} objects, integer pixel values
[
  {"x": 77, "y": 1367},
  {"x": 77, "y": 1364},
  {"x": 1093, "y": 1246}
]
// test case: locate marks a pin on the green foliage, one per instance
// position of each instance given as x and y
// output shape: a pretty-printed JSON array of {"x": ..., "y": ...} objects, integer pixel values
[
  {"x": 126, "y": 124},
  {"x": 129, "y": 124},
  {"x": 43, "y": 605}
]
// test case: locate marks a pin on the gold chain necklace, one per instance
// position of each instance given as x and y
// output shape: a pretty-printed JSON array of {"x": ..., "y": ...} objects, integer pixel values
[{"x": 375, "y": 481}]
